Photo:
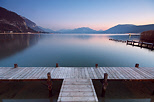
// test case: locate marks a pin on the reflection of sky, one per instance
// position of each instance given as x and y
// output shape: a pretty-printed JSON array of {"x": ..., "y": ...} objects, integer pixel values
[
  {"x": 81, "y": 50},
  {"x": 96, "y": 14}
]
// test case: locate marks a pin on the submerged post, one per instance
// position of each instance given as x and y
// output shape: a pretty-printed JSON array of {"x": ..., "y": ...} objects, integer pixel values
[
  {"x": 96, "y": 65},
  {"x": 57, "y": 65},
  {"x": 15, "y": 65},
  {"x": 137, "y": 65},
  {"x": 104, "y": 84},
  {"x": 49, "y": 84}
]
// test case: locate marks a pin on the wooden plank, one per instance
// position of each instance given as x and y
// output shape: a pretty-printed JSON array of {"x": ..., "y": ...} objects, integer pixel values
[
  {"x": 115, "y": 73},
  {"x": 77, "y": 99},
  {"x": 94, "y": 73},
  {"x": 90, "y": 73},
  {"x": 86, "y": 73},
  {"x": 118, "y": 73},
  {"x": 77, "y": 92}
]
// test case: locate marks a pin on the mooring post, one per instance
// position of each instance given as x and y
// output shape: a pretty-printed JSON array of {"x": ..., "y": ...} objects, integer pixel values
[
  {"x": 104, "y": 84},
  {"x": 141, "y": 44},
  {"x": 127, "y": 42},
  {"x": 57, "y": 65},
  {"x": 133, "y": 43},
  {"x": 96, "y": 65},
  {"x": 152, "y": 47},
  {"x": 49, "y": 84},
  {"x": 15, "y": 65},
  {"x": 137, "y": 65}
]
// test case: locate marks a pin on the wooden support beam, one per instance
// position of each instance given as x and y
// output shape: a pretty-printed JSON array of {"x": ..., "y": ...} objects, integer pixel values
[
  {"x": 133, "y": 43},
  {"x": 127, "y": 42},
  {"x": 15, "y": 65},
  {"x": 137, "y": 65},
  {"x": 49, "y": 84},
  {"x": 57, "y": 65},
  {"x": 141, "y": 44},
  {"x": 96, "y": 65},
  {"x": 152, "y": 47},
  {"x": 104, "y": 84}
]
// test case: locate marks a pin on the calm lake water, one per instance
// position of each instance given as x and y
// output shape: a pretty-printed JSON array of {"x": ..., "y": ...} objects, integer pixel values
[
  {"x": 40, "y": 50},
  {"x": 76, "y": 50}
]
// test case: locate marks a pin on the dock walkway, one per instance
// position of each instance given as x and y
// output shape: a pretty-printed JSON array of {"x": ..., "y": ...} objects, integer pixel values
[
  {"x": 77, "y": 90},
  {"x": 77, "y": 84},
  {"x": 40, "y": 73}
]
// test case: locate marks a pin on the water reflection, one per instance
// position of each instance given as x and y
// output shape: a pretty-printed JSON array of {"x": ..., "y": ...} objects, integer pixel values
[
  {"x": 14, "y": 43},
  {"x": 26, "y": 100},
  {"x": 74, "y": 50}
]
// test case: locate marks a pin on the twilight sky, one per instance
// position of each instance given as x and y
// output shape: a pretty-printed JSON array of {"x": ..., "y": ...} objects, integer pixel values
[{"x": 96, "y": 14}]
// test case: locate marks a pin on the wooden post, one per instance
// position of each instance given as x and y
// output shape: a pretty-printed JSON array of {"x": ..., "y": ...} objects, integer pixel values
[
  {"x": 57, "y": 65},
  {"x": 96, "y": 65},
  {"x": 104, "y": 84},
  {"x": 141, "y": 44},
  {"x": 133, "y": 43},
  {"x": 49, "y": 84},
  {"x": 137, "y": 65},
  {"x": 152, "y": 47},
  {"x": 15, "y": 65}
]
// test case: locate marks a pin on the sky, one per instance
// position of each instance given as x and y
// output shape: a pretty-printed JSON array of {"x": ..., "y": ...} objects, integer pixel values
[{"x": 70, "y": 14}]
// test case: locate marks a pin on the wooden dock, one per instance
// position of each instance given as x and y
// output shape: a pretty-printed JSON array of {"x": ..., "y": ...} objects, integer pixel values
[
  {"x": 81, "y": 90},
  {"x": 141, "y": 44},
  {"x": 77, "y": 84},
  {"x": 40, "y": 73},
  {"x": 136, "y": 43}
]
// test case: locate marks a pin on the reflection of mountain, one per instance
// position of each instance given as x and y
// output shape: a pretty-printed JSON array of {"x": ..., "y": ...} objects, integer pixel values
[{"x": 11, "y": 43}]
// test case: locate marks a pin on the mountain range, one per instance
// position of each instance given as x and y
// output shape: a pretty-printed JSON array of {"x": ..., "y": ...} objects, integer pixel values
[
  {"x": 129, "y": 28},
  {"x": 12, "y": 22}
]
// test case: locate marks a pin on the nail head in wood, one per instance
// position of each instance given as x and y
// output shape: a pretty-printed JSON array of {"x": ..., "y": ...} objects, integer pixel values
[
  {"x": 57, "y": 65},
  {"x": 137, "y": 65},
  {"x": 96, "y": 65},
  {"x": 15, "y": 65}
]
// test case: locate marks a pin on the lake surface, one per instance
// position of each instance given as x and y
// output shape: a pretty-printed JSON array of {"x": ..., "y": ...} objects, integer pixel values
[{"x": 76, "y": 50}]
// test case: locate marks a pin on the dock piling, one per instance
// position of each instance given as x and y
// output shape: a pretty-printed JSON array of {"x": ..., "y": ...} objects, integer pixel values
[
  {"x": 152, "y": 47},
  {"x": 137, "y": 65},
  {"x": 15, "y": 65},
  {"x": 96, "y": 65},
  {"x": 104, "y": 84},
  {"x": 49, "y": 84},
  {"x": 57, "y": 65}
]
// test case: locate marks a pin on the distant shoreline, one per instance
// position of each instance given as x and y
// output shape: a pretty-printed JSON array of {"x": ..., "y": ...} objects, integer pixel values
[
  {"x": 78, "y": 33},
  {"x": 26, "y": 33}
]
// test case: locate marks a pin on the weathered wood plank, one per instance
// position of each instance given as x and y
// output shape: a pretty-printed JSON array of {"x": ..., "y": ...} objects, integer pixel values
[
  {"x": 115, "y": 73},
  {"x": 77, "y": 92}
]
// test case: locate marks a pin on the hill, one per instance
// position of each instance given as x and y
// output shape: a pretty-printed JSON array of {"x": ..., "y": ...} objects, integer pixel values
[
  {"x": 32, "y": 25},
  {"x": 12, "y": 22},
  {"x": 129, "y": 28}
]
